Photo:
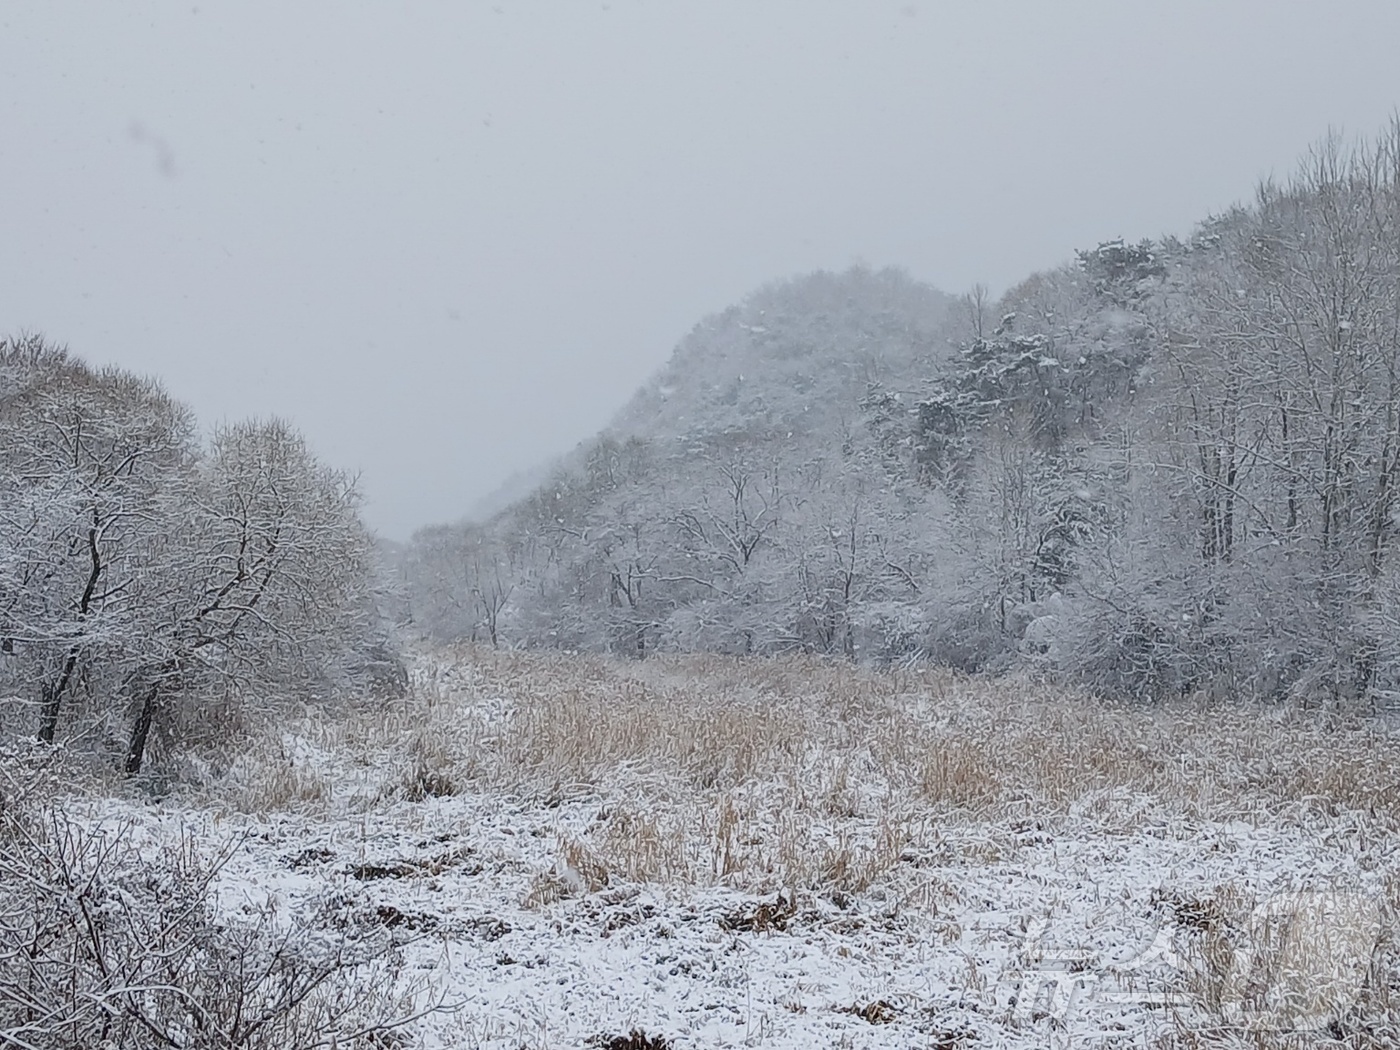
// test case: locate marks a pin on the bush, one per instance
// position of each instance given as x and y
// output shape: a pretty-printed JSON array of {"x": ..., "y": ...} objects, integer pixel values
[{"x": 104, "y": 947}]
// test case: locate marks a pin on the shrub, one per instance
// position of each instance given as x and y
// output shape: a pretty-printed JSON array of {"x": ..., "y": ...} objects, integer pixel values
[{"x": 103, "y": 946}]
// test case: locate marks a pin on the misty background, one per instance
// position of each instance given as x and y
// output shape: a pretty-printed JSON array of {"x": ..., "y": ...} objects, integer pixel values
[{"x": 449, "y": 240}]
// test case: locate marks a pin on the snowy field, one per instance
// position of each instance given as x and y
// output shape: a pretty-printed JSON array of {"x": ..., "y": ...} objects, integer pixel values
[{"x": 569, "y": 852}]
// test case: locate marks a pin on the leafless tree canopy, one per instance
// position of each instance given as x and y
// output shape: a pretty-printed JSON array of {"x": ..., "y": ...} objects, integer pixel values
[{"x": 144, "y": 574}]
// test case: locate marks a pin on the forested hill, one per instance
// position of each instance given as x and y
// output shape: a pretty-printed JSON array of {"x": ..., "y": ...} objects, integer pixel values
[
  {"x": 1162, "y": 468},
  {"x": 673, "y": 528},
  {"x": 796, "y": 354}
]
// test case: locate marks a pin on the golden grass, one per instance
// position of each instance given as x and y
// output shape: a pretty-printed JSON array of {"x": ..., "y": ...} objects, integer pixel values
[
  {"x": 786, "y": 775},
  {"x": 765, "y": 773},
  {"x": 977, "y": 745},
  {"x": 1292, "y": 970}
]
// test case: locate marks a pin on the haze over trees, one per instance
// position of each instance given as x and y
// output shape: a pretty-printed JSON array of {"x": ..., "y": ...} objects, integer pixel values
[{"x": 1164, "y": 468}]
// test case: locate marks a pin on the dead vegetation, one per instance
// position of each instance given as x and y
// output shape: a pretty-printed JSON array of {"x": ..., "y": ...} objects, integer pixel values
[
  {"x": 775, "y": 774},
  {"x": 412, "y": 869},
  {"x": 763, "y": 916},
  {"x": 877, "y": 1012},
  {"x": 690, "y": 725},
  {"x": 103, "y": 944},
  {"x": 803, "y": 786},
  {"x": 1303, "y": 968},
  {"x": 636, "y": 1039}
]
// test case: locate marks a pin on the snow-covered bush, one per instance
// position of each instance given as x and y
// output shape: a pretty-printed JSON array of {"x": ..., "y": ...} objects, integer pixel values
[{"x": 103, "y": 944}]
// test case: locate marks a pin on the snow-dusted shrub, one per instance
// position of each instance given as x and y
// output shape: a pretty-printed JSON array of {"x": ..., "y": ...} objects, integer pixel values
[
  {"x": 105, "y": 945},
  {"x": 1124, "y": 652},
  {"x": 889, "y": 632},
  {"x": 966, "y": 638}
]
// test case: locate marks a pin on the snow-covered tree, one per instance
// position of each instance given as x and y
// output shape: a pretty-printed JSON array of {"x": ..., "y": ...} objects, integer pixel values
[{"x": 140, "y": 571}]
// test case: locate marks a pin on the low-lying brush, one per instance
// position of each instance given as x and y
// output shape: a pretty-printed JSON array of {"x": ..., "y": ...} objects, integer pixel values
[
  {"x": 769, "y": 773},
  {"x": 807, "y": 800},
  {"x": 104, "y": 944}
]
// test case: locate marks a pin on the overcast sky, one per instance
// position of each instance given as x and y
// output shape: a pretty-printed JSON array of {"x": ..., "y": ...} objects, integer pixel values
[{"x": 448, "y": 240}]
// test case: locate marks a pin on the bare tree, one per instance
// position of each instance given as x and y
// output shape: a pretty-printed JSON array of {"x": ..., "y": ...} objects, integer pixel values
[
  {"x": 137, "y": 567},
  {"x": 269, "y": 583},
  {"x": 91, "y": 459}
]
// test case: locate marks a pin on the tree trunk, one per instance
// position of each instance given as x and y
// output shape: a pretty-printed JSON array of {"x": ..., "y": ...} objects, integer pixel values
[
  {"x": 53, "y": 698},
  {"x": 53, "y": 695},
  {"x": 141, "y": 731}
]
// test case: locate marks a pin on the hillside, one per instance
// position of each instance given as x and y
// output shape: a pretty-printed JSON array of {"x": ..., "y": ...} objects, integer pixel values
[
  {"x": 1163, "y": 468},
  {"x": 792, "y": 356},
  {"x": 704, "y": 465}
]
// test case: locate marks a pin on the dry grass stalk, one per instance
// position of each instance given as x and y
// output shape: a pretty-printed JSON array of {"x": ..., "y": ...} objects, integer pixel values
[{"x": 765, "y": 773}]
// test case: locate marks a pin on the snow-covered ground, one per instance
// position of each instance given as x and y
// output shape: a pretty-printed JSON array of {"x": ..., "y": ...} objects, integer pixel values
[{"x": 1106, "y": 916}]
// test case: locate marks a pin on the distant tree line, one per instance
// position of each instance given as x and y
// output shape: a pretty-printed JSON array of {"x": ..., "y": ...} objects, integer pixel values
[{"x": 1165, "y": 468}]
